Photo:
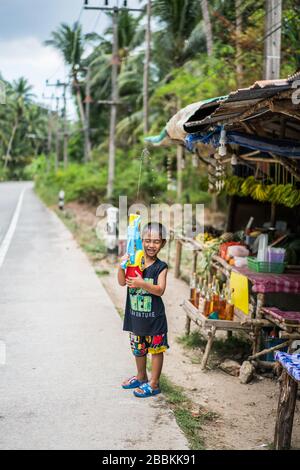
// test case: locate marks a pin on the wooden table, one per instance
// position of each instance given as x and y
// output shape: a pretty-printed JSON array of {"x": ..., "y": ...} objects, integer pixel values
[
  {"x": 286, "y": 404},
  {"x": 210, "y": 326}
]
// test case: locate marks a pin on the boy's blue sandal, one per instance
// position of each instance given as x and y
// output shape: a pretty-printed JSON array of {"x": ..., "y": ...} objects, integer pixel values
[
  {"x": 147, "y": 391},
  {"x": 133, "y": 382}
]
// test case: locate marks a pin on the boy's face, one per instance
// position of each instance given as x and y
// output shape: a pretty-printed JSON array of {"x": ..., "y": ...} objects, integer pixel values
[{"x": 152, "y": 244}]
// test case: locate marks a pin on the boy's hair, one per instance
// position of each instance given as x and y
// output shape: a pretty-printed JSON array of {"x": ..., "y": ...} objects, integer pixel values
[{"x": 155, "y": 227}]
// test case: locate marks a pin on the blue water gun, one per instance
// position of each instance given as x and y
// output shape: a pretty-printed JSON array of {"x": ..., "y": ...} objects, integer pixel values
[{"x": 136, "y": 261}]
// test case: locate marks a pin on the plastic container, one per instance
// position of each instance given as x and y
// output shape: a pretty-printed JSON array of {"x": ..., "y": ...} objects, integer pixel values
[
  {"x": 265, "y": 266},
  {"x": 270, "y": 342},
  {"x": 263, "y": 241},
  {"x": 276, "y": 255}
]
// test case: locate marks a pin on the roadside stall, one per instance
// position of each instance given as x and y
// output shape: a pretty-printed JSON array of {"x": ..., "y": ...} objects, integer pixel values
[
  {"x": 287, "y": 399},
  {"x": 248, "y": 277}
]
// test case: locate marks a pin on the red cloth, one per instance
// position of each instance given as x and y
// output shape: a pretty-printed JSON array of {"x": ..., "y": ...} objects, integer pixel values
[
  {"x": 267, "y": 282},
  {"x": 288, "y": 317}
]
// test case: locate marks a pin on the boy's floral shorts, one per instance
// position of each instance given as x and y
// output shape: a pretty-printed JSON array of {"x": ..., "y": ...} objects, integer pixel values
[{"x": 142, "y": 345}]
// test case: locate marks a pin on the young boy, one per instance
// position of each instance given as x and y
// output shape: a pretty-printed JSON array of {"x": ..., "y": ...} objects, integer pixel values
[{"x": 145, "y": 316}]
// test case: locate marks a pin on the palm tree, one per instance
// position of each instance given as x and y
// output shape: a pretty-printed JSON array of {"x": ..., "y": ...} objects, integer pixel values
[
  {"x": 19, "y": 95},
  {"x": 178, "y": 20},
  {"x": 37, "y": 126},
  {"x": 69, "y": 41}
]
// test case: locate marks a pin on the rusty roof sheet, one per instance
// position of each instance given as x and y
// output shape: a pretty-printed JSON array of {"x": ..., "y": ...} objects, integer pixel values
[{"x": 236, "y": 104}]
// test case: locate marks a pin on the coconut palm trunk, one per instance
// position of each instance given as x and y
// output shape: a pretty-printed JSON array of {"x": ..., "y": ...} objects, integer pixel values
[
  {"x": 207, "y": 27},
  {"x": 238, "y": 32},
  {"x": 10, "y": 142},
  {"x": 146, "y": 69}
]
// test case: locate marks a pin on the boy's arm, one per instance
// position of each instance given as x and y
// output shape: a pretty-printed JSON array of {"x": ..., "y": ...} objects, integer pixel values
[
  {"x": 158, "y": 289},
  {"x": 121, "y": 277},
  {"x": 121, "y": 272}
]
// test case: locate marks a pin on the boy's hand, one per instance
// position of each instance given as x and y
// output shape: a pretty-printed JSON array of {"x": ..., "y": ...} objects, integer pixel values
[
  {"x": 135, "y": 282},
  {"x": 125, "y": 257}
]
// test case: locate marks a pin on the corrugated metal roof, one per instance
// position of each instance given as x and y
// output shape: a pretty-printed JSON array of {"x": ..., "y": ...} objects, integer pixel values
[
  {"x": 237, "y": 103},
  {"x": 239, "y": 106}
]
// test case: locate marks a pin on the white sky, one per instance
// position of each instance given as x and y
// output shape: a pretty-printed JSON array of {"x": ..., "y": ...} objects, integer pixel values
[{"x": 26, "y": 24}]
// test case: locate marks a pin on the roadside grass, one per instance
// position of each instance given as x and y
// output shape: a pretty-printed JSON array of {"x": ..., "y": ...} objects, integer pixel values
[
  {"x": 190, "y": 423},
  {"x": 193, "y": 340},
  {"x": 87, "y": 239},
  {"x": 102, "y": 272}
]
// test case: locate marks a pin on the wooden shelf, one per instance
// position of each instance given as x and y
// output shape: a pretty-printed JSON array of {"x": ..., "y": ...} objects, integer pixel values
[{"x": 205, "y": 322}]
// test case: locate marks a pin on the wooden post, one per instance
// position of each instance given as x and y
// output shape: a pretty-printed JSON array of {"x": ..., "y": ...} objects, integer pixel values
[
  {"x": 273, "y": 39},
  {"x": 211, "y": 336},
  {"x": 169, "y": 252},
  {"x": 285, "y": 412},
  {"x": 177, "y": 259},
  {"x": 260, "y": 301},
  {"x": 179, "y": 172},
  {"x": 187, "y": 325},
  {"x": 267, "y": 351},
  {"x": 195, "y": 257}
]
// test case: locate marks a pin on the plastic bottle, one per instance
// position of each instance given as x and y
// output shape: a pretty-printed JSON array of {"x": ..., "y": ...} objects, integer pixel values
[
  {"x": 197, "y": 295},
  {"x": 222, "y": 304},
  {"x": 193, "y": 284},
  {"x": 202, "y": 297},
  {"x": 229, "y": 310},
  {"x": 207, "y": 303},
  {"x": 215, "y": 297}
]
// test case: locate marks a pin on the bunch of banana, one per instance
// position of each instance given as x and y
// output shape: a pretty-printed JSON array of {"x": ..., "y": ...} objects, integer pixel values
[
  {"x": 285, "y": 194},
  {"x": 260, "y": 192},
  {"x": 233, "y": 185},
  {"x": 248, "y": 185},
  {"x": 207, "y": 237},
  {"x": 272, "y": 192},
  {"x": 278, "y": 193},
  {"x": 291, "y": 198}
]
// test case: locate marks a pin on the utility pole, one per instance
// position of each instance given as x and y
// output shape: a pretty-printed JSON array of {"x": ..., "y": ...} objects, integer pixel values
[
  {"x": 65, "y": 130},
  {"x": 113, "y": 114},
  {"x": 147, "y": 68},
  {"x": 50, "y": 129},
  {"x": 57, "y": 144},
  {"x": 115, "y": 92},
  {"x": 88, "y": 100},
  {"x": 273, "y": 26}
]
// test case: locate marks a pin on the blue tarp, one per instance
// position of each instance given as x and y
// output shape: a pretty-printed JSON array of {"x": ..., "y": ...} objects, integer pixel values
[{"x": 278, "y": 147}]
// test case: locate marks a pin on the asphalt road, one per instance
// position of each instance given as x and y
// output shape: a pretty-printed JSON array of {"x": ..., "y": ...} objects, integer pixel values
[{"x": 66, "y": 353}]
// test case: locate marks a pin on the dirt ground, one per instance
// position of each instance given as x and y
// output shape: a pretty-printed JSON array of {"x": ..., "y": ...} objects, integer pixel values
[{"x": 245, "y": 414}]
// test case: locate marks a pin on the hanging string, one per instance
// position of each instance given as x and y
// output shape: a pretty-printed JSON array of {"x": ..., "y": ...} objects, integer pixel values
[{"x": 145, "y": 154}]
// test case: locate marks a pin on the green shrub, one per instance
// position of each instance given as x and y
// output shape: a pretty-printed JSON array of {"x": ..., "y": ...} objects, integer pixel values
[{"x": 3, "y": 174}]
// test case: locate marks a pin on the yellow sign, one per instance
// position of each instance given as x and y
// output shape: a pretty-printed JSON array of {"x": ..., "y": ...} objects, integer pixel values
[{"x": 240, "y": 295}]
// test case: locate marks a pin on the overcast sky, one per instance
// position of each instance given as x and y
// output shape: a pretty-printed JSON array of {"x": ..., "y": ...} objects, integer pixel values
[{"x": 26, "y": 24}]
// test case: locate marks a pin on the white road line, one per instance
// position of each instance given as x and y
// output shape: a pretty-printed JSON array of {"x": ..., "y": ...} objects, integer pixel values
[{"x": 11, "y": 229}]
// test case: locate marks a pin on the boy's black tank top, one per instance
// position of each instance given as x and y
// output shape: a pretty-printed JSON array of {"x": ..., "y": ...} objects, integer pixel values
[{"x": 144, "y": 312}]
